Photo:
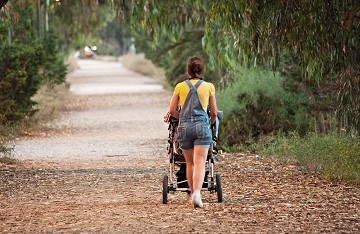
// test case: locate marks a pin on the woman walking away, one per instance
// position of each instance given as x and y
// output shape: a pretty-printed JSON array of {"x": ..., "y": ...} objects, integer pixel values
[{"x": 194, "y": 133}]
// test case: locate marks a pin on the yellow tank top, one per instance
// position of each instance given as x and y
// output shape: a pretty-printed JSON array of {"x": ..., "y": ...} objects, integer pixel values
[{"x": 205, "y": 91}]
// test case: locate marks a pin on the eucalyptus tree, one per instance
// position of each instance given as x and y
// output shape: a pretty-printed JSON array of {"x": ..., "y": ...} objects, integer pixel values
[
  {"x": 167, "y": 31},
  {"x": 322, "y": 36}
]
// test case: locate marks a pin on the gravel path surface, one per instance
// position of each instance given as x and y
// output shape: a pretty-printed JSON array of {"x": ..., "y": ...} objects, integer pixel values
[
  {"x": 118, "y": 112},
  {"x": 99, "y": 170}
]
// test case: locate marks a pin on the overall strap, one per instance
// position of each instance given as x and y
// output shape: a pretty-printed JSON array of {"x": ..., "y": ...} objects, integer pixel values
[
  {"x": 196, "y": 86},
  {"x": 192, "y": 107}
]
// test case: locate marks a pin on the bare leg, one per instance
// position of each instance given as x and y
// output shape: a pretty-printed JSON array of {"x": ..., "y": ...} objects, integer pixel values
[
  {"x": 189, "y": 158},
  {"x": 200, "y": 154}
]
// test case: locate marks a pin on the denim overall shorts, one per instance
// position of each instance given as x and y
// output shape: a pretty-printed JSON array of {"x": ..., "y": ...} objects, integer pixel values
[{"x": 194, "y": 122}]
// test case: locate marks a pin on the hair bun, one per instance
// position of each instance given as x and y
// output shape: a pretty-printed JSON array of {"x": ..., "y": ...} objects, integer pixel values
[{"x": 195, "y": 67}]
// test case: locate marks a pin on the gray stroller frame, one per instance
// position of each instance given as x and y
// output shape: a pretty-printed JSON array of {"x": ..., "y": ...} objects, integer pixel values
[{"x": 176, "y": 180}]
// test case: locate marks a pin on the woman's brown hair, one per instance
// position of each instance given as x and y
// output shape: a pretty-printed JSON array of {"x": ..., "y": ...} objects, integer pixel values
[{"x": 195, "y": 67}]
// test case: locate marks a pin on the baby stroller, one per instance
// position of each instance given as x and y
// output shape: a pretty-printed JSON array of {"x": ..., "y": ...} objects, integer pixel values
[{"x": 176, "y": 180}]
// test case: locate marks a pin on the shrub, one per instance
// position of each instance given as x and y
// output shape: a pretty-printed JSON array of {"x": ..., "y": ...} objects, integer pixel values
[
  {"x": 19, "y": 79},
  {"x": 24, "y": 68},
  {"x": 255, "y": 104},
  {"x": 55, "y": 69}
]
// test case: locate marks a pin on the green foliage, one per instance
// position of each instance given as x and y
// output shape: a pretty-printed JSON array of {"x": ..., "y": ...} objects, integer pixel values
[
  {"x": 19, "y": 79},
  {"x": 255, "y": 104},
  {"x": 26, "y": 62},
  {"x": 78, "y": 23},
  {"x": 113, "y": 38},
  {"x": 332, "y": 156},
  {"x": 321, "y": 35},
  {"x": 54, "y": 68},
  {"x": 321, "y": 95},
  {"x": 169, "y": 33}
]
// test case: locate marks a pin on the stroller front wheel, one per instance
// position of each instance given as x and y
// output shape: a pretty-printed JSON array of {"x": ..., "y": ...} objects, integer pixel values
[
  {"x": 165, "y": 190},
  {"x": 219, "y": 188}
]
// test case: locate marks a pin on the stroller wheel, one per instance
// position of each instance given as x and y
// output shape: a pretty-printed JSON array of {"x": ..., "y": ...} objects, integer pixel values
[
  {"x": 219, "y": 188},
  {"x": 165, "y": 189}
]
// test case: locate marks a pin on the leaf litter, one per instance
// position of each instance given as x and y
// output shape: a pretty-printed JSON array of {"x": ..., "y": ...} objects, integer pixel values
[
  {"x": 121, "y": 192},
  {"x": 262, "y": 198}
]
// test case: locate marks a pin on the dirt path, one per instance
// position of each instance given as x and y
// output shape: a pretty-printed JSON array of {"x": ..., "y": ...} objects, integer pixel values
[{"x": 99, "y": 169}]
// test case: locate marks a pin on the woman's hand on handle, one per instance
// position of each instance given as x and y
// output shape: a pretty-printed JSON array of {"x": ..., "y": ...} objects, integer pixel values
[{"x": 167, "y": 117}]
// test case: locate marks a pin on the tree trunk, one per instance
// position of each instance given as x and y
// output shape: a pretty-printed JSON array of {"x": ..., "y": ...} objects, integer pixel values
[
  {"x": 38, "y": 11},
  {"x": 47, "y": 15}
]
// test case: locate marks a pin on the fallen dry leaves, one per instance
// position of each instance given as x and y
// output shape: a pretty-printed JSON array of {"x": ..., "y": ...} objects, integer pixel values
[{"x": 260, "y": 195}]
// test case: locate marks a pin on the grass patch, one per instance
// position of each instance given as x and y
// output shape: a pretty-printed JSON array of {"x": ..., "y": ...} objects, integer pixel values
[
  {"x": 71, "y": 63},
  {"x": 51, "y": 99},
  {"x": 334, "y": 157}
]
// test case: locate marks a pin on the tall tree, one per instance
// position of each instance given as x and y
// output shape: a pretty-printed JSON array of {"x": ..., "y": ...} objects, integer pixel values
[{"x": 321, "y": 35}]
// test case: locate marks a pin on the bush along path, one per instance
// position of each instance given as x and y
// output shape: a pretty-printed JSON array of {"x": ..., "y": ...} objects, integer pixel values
[{"x": 98, "y": 168}]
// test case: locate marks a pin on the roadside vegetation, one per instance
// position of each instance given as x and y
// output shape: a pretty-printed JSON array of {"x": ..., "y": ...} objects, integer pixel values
[
  {"x": 263, "y": 116},
  {"x": 33, "y": 51}
]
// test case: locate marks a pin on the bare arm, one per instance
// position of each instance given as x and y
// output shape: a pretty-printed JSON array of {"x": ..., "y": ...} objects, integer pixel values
[
  {"x": 213, "y": 108},
  {"x": 174, "y": 106}
]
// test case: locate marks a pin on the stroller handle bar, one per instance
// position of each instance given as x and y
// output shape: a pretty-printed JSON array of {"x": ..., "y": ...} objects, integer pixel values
[{"x": 214, "y": 127}]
